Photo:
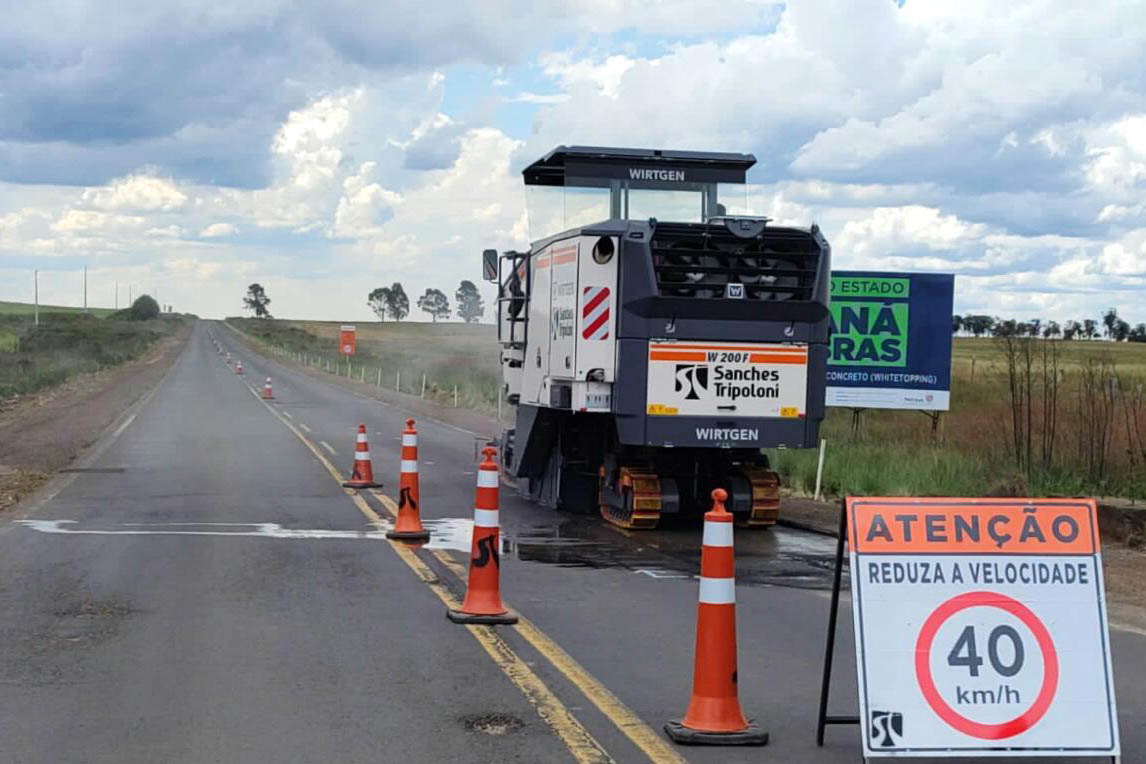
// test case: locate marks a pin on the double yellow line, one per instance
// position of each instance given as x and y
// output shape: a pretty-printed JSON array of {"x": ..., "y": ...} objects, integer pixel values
[{"x": 581, "y": 744}]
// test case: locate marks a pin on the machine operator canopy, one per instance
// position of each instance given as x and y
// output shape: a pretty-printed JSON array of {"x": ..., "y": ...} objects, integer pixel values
[{"x": 574, "y": 186}]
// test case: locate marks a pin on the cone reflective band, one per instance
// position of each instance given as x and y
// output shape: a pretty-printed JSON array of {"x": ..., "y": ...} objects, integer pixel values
[
  {"x": 238, "y": 366},
  {"x": 714, "y": 716},
  {"x": 362, "y": 475},
  {"x": 483, "y": 603},
  {"x": 267, "y": 395},
  {"x": 408, "y": 526}
]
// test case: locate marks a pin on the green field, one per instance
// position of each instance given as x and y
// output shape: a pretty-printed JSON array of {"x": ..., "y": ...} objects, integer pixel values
[{"x": 28, "y": 309}]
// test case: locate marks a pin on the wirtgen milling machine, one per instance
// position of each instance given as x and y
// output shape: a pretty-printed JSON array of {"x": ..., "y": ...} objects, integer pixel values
[{"x": 654, "y": 339}]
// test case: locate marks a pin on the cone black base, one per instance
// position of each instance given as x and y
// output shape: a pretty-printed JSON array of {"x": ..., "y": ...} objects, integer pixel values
[
  {"x": 422, "y": 535},
  {"x": 361, "y": 485},
  {"x": 457, "y": 616},
  {"x": 685, "y": 736}
]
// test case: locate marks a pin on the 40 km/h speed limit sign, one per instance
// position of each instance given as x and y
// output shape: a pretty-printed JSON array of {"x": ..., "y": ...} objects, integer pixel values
[{"x": 981, "y": 628}]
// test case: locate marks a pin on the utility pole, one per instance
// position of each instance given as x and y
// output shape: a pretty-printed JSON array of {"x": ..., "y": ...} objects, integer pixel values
[
  {"x": 36, "y": 291},
  {"x": 117, "y": 295},
  {"x": 85, "y": 289},
  {"x": 129, "y": 294}
]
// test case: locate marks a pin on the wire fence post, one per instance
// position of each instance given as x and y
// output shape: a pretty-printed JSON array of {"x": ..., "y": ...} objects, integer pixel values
[
  {"x": 398, "y": 381},
  {"x": 362, "y": 374},
  {"x": 379, "y": 376},
  {"x": 423, "y": 395},
  {"x": 455, "y": 396}
]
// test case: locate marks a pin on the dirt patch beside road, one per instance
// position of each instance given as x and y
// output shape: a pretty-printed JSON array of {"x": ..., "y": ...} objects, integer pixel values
[{"x": 46, "y": 431}]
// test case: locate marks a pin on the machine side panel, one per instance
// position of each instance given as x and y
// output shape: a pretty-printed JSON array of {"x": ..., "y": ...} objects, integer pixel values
[
  {"x": 596, "y": 312},
  {"x": 534, "y": 388},
  {"x": 562, "y": 325}
]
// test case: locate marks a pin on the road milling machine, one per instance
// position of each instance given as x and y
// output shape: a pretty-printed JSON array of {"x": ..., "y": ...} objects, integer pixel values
[{"x": 655, "y": 337}]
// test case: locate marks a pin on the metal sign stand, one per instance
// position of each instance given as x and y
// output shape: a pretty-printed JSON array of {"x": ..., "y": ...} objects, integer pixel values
[{"x": 824, "y": 718}]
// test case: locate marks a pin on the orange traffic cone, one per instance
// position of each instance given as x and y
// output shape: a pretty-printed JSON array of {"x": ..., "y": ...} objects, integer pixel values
[
  {"x": 363, "y": 474},
  {"x": 483, "y": 599},
  {"x": 409, "y": 524},
  {"x": 714, "y": 716},
  {"x": 267, "y": 394},
  {"x": 238, "y": 366}
]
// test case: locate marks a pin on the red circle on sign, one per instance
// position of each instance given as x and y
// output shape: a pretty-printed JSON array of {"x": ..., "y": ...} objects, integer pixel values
[{"x": 1023, "y": 721}]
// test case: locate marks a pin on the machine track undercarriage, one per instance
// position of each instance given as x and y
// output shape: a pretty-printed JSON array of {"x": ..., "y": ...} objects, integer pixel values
[{"x": 633, "y": 497}]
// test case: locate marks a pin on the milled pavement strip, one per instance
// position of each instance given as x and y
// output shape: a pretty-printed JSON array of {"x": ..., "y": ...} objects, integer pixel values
[
  {"x": 631, "y": 725},
  {"x": 582, "y": 745}
]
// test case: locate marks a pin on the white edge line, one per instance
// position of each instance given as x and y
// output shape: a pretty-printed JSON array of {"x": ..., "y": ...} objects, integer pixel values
[
  {"x": 303, "y": 426},
  {"x": 328, "y": 448}
]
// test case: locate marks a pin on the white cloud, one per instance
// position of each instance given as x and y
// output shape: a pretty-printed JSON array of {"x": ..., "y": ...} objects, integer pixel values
[
  {"x": 216, "y": 230},
  {"x": 364, "y": 205},
  {"x": 88, "y": 221},
  {"x": 142, "y": 193},
  {"x": 604, "y": 76},
  {"x": 540, "y": 98}
]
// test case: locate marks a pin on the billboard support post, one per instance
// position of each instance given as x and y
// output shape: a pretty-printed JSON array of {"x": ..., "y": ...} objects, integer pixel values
[{"x": 820, "y": 469}]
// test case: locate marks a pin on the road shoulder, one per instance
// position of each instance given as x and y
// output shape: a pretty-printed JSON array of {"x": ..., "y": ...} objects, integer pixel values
[{"x": 50, "y": 430}]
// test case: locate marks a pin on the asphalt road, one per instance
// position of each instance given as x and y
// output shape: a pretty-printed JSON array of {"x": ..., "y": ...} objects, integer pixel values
[{"x": 215, "y": 596}]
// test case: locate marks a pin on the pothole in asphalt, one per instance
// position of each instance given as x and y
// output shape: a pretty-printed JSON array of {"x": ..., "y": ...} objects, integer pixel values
[{"x": 492, "y": 724}]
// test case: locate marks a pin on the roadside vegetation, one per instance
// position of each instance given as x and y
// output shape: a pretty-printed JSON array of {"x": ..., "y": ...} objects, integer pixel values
[
  {"x": 68, "y": 342},
  {"x": 396, "y": 355},
  {"x": 1029, "y": 415}
]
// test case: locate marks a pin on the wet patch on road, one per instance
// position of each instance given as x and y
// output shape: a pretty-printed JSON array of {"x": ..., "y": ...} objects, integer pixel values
[{"x": 764, "y": 557}]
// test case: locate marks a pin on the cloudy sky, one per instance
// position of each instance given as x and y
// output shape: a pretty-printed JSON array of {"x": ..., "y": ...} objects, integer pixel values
[{"x": 324, "y": 148}]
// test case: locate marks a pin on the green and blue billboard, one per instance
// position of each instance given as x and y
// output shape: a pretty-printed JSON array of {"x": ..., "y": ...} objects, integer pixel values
[{"x": 891, "y": 340}]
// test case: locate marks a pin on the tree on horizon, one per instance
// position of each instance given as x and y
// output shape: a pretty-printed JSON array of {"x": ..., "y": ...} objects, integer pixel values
[
  {"x": 378, "y": 300},
  {"x": 468, "y": 299},
  {"x": 256, "y": 300},
  {"x": 435, "y": 302}
]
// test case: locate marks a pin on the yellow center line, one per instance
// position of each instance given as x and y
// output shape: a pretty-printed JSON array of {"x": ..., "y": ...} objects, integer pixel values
[
  {"x": 582, "y": 745},
  {"x": 632, "y": 726}
]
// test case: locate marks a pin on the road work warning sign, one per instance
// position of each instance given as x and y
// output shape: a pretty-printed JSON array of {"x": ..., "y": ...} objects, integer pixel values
[
  {"x": 346, "y": 340},
  {"x": 981, "y": 628}
]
